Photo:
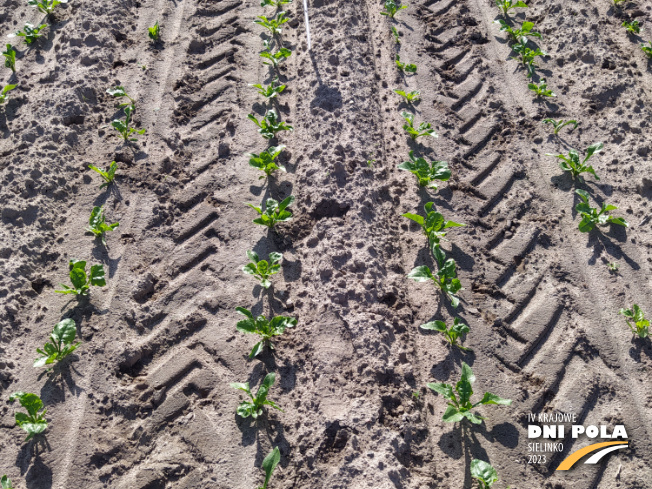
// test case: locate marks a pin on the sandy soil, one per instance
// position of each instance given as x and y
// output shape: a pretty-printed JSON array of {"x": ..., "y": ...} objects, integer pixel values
[{"x": 146, "y": 403}]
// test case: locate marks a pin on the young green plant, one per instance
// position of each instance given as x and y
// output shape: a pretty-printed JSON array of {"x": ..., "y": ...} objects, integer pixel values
[
  {"x": 46, "y": 6},
  {"x": 647, "y": 49},
  {"x": 274, "y": 3},
  {"x": 424, "y": 129},
  {"x": 255, "y": 407},
  {"x": 460, "y": 407},
  {"x": 427, "y": 173},
  {"x": 30, "y": 32},
  {"x": 507, "y": 5},
  {"x": 273, "y": 212},
  {"x": 409, "y": 97},
  {"x": 515, "y": 35},
  {"x": 405, "y": 67},
  {"x": 392, "y": 8},
  {"x": 592, "y": 217},
  {"x": 120, "y": 92},
  {"x": 3, "y": 94},
  {"x": 154, "y": 32},
  {"x": 270, "y": 91},
  {"x": 452, "y": 334},
  {"x": 560, "y": 124},
  {"x": 572, "y": 164},
  {"x": 61, "y": 344},
  {"x": 541, "y": 90},
  {"x": 97, "y": 224},
  {"x": 272, "y": 24},
  {"x": 274, "y": 59},
  {"x": 33, "y": 423},
  {"x": 632, "y": 27},
  {"x": 263, "y": 269},
  {"x": 264, "y": 328},
  {"x": 396, "y": 34},
  {"x": 641, "y": 326},
  {"x": 81, "y": 282},
  {"x": 10, "y": 58},
  {"x": 527, "y": 55},
  {"x": 433, "y": 225},
  {"x": 445, "y": 278},
  {"x": 269, "y": 464},
  {"x": 123, "y": 127},
  {"x": 5, "y": 483},
  {"x": 266, "y": 161},
  {"x": 484, "y": 473},
  {"x": 269, "y": 124},
  {"x": 108, "y": 176}
]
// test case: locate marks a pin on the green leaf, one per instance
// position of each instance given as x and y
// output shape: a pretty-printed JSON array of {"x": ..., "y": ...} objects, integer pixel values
[
  {"x": 241, "y": 386},
  {"x": 452, "y": 415},
  {"x": 465, "y": 391},
  {"x": 5, "y": 482},
  {"x": 467, "y": 373},
  {"x": 435, "y": 326},
  {"x": 484, "y": 472},
  {"x": 421, "y": 274},
  {"x": 269, "y": 464},
  {"x": 474, "y": 418},
  {"x": 257, "y": 349},
  {"x": 445, "y": 390},
  {"x": 494, "y": 399},
  {"x": 247, "y": 326},
  {"x": 65, "y": 331},
  {"x": 584, "y": 195},
  {"x": 586, "y": 225},
  {"x": 97, "y": 277}
]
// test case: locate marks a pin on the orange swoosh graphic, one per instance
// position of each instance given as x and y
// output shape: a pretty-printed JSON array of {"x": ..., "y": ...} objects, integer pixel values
[{"x": 575, "y": 456}]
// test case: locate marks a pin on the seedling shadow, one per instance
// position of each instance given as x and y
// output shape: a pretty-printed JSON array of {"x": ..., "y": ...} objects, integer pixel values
[
  {"x": 601, "y": 241},
  {"x": 59, "y": 377},
  {"x": 640, "y": 346},
  {"x": 38, "y": 475}
]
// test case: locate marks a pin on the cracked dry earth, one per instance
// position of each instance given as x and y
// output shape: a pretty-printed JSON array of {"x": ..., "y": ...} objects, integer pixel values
[{"x": 147, "y": 404}]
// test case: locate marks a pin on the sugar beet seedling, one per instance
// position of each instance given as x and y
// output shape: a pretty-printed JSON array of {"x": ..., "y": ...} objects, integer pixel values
[
  {"x": 81, "y": 282},
  {"x": 263, "y": 327},
  {"x": 33, "y": 423},
  {"x": 572, "y": 164},
  {"x": 263, "y": 269},
  {"x": 272, "y": 24},
  {"x": 484, "y": 473},
  {"x": 10, "y": 58},
  {"x": 460, "y": 408},
  {"x": 641, "y": 326},
  {"x": 273, "y": 212},
  {"x": 560, "y": 124},
  {"x": 107, "y": 175},
  {"x": 3, "y": 94},
  {"x": 266, "y": 161},
  {"x": 61, "y": 344},
  {"x": 46, "y": 6},
  {"x": 424, "y": 129},
  {"x": 445, "y": 278},
  {"x": 255, "y": 407},
  {"x": 592, "y": 217},
  {"x": 433, "y": 225},
  {"x": 392, "y": 8},
  {"x": 452, "y": 334},
  {"x": 269, "y": 125},
  {"x": 30, "y": 32},
  {"x": 5, "y": 483},
  {"x": 427, "y": 173}
]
